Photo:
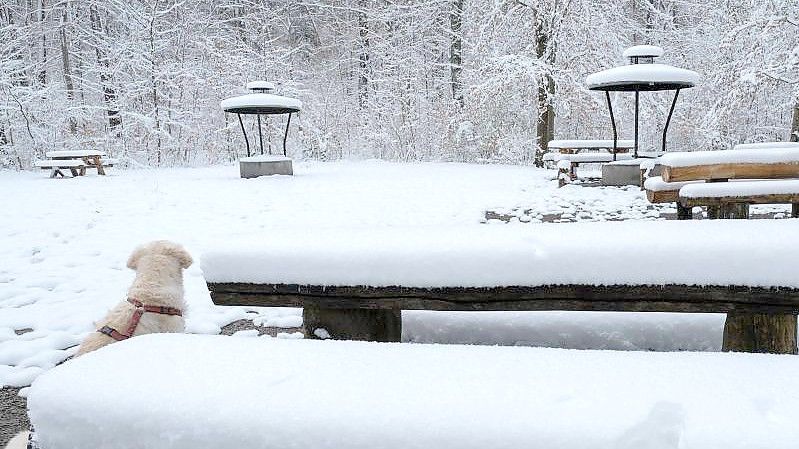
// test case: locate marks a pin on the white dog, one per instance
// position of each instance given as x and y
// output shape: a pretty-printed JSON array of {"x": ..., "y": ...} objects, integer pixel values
[
  {"x": 154, "y": 304},
  {"x": 155, "y": 300}
]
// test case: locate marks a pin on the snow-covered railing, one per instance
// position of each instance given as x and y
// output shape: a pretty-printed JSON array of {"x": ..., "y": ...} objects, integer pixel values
[{"x": 174, "y": 391}]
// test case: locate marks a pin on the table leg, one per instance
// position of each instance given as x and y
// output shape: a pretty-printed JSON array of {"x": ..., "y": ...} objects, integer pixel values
[{"x": 95, "y": 162}]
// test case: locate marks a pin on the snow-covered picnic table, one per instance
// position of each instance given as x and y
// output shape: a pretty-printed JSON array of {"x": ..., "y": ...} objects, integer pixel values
[
  {"x": 757, "y": 173},
  {"x": 353, "y": 283},
  {"x": 76, "y": 161},
  {"x": 196, "y": 392}
]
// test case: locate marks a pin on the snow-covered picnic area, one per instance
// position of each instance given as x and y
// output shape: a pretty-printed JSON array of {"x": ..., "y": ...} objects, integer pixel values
[{"x": 64, "y": 244}]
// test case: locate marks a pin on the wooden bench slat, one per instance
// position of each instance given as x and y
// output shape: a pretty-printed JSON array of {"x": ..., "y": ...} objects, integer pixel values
[
  {"x": 731, "y": 171},
  {"x": 774, "y": 198},
  {"x": 74, "y": 153},
  {"x": 659, "y": 191},
  {"x": 625, "y": 298}
]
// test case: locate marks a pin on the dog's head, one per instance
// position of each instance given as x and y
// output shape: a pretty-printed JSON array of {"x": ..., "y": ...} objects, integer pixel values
[{"x": 162, "y": 248}]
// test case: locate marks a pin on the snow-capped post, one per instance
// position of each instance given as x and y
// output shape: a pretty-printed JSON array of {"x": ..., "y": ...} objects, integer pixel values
[{"x": 263, "y": 101}]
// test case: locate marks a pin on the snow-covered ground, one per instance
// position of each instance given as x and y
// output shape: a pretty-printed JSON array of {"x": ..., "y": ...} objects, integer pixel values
[
  {"x": 270, "y": 393},
  {"x": 64, "y": 243}
]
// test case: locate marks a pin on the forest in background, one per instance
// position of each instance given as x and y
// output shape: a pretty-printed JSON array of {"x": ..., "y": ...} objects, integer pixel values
[{"x": 452, "y": 80}]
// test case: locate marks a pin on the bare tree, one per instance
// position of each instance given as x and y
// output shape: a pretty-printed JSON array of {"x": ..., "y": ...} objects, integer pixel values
[{"x": 456, "y": 50}]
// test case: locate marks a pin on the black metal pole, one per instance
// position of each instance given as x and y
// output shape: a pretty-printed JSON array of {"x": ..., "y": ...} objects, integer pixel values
[
  {"x": 245, "y": 135},
  {"x": 635, "y": 153},
  {"x": 613, "y": 124},
  {"x": 286, "y": 135},
  {"x": 260, "y": 137},
  {"x": 668, "y": 120}
]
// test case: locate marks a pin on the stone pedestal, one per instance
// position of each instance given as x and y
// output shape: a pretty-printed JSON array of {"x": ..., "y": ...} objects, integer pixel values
[
  {"x": 622, "y": 173},
  {"x": 265, "y": 165}
]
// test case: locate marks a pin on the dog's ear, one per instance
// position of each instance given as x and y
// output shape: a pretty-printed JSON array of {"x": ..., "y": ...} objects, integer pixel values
[
  {"x": 180, "y": 254},
  {"x": 133, "y": 260}
]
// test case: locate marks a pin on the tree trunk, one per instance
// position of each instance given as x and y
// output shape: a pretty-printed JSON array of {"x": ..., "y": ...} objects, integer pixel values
[
  {"x": 109, "y": 95},
  {"x": 154, "y": 84},
  {"x": 795, "y": 123},
  {"x": 545, "y": 123},
  {"x": 43, "y": 71},
  {"x": 363, "y": 56},
  {"x": 68, "y": 81},
  {"x": 456, "y": 51}
]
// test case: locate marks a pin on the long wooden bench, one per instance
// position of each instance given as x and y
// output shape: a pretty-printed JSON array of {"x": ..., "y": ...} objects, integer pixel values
[
  {"x": 526, "y": 279},
  {"x": 75, "y": 167}
]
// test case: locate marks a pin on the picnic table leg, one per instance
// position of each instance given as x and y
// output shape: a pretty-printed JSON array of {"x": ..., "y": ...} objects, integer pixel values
[
  {"x": 734, "y": 211},
  {"x": 795, "y": 210},
  {"x": 684, "y": 213},
  {"x": 760, "y": 332},
  {"x": 353, "y": 324},
  {"x": 97, "y": 163},
  {"x": 75, "y": 172}
]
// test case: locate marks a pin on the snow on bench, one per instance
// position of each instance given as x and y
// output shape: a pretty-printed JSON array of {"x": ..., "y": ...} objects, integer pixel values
[
  {"x": 756, "y": 163},
  {"x": 353, "y": 283},
  {"x": 74, "y": 154},
  {"x": 487, "y": 256},
  {"x": 753, "y": 146},
  {"x": 66, "y": 163},
  {"x": 174, "y": 391},
  {"x": 742, "y": 189},
  {"x": 574, "y": 144},
  {"x": 742, "y": 192}
]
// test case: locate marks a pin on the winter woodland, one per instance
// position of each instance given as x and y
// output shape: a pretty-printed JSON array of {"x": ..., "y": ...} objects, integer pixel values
[{"x": 454, "y": 80}]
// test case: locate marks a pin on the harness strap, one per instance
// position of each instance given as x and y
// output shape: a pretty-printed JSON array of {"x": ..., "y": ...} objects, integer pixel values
[{"x": 136, "y": 317}]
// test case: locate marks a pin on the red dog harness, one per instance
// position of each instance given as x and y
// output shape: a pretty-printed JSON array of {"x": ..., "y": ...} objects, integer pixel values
[{"x": 134, "y": 319}]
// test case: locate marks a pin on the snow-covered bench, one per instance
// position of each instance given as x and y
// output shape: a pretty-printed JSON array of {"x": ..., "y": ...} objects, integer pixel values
[
  {"x": 354, "y": 283},
  {"x": 56, "y": 166},
  {"x": 699, "y": 179},
  {"x": 578, "y": 145},
  {"x": 173, "y": 391}
]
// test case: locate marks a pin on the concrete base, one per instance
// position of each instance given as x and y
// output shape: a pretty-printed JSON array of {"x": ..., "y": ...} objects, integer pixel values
[
  {"x": 622, "y": 173},
  {"x": 255, "y": 166}
]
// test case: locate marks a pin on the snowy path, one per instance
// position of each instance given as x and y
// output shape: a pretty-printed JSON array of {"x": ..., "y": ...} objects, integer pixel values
[{"x": 64, "y": 243}]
